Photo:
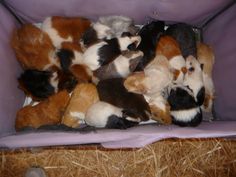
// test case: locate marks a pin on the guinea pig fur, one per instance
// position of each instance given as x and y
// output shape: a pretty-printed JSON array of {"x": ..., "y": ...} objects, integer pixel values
[
  {"x": 105, "y": 115},
  {"x": 47, "y": 112},
  {"x": 106, "y": 51},
  {"x": 42, "y": 84},
  {"x": 122, "y": 66},
  {"x": 83, "y": 96},
  {"x": 108, "y": 27},
  {"x": 183, "y": 107},
  {"x": 113, "y": 92},
  {"x": 206, "y": 57},
  {"x": 151, "y": 83},
  {"x": 118, "y": 25},
  {"x": 65, "y": 29},
  {"x": 33, "y": 48},
  {"x": 169, "y": 47},
  {"x": 185, "y": 36},
  {"x": 150, "y": 35},
  {"x": 194, "y": 79}
]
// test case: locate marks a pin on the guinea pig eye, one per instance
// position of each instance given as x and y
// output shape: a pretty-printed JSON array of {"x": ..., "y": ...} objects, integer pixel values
[
  {"x": 132, "y": 46},
  {"x": 191, "y": 69}
]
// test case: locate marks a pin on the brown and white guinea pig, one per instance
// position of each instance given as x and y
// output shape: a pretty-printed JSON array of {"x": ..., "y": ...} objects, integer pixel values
[
  {"x": 33, "y": 48},
  {"x": 185, "y": 36},
  {"x": 105, "y": 115},
  {"x": 113, "y": 91},
  {"x": 83, "y": 96},
  {"x": 206, "y": 57},
  {"x": 65, "y": 29},
  {"x": 122, "y": 66},
  {"x": 184, "y": 109},
  {"x": 169, "y": 47},
  {"x": 151, "y": 83},
  {"x": 106, "y": 51},
  {"x": 108, "y": 27},
  {"x": 41, "y": 84},
  {"x": 194, "y": 79},
  {"x": 150, "y": 35},
  {"x": 47, "y": 112}
]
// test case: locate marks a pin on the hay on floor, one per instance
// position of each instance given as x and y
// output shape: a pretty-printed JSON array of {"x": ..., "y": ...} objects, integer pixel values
[{"x": 167, "y": 158}]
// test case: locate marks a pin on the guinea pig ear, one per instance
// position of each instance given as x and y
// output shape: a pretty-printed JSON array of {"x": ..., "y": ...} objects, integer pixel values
[{"x": 202, "y": 66}]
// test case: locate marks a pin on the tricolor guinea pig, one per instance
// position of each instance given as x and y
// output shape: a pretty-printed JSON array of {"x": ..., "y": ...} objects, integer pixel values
[
  {"x": 169, "y": 47},
  {"x": 185, "y": 36},
  {"x": 105, "y": 115},
  {"x": 113, "y": 92},
  {"x": 106, "y": 51},
  {"x": 151, "y": 83},
  {"x": 194, "y": 79},
  {"x": 150, "y": 35},
  {"x": 33, "y": 48},
  {"x": 42, "y": 84},
  {"x": 122, "y": 66},
  {"x": 108, "y": 27},
  {"x": 206, "y": 57},
  {"x": 65, "y": 29},
  {"x": 184, "y": 109}
]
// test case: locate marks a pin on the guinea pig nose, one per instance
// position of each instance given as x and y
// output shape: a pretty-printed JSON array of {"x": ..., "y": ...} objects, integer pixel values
[{"x": 184, "y": 70}]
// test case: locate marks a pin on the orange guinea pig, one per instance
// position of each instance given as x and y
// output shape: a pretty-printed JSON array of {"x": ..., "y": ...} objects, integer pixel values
[
  {"x": 169, "y": 47},
  {"x": 33, "y": 48},
  {"x": 65, "y": 29},
  {"x": 47, "y": 112}
]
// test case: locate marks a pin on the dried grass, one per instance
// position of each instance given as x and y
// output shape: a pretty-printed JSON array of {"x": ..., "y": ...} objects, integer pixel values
[{"x": 167, "y": 158}]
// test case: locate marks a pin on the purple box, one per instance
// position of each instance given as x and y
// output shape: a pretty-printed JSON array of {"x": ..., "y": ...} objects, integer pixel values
[{"x": 219, "y": 33}]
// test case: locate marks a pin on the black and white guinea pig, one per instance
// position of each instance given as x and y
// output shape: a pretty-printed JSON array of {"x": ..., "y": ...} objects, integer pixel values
[
  {"x": 42, "y": 84},
  {"x": 106, "y": 51},
  {"x": 185, "y": 36},
  {"x": 194, "y": 79},
  {"x": 183, "y": 107},
  {"x": 108, "y": 27},
  {"x": 113, "y": 91},
  {"x": 150, "y": 35},
  {"x": 104, "y": 115},
  {"x": 122, "y": 66}
]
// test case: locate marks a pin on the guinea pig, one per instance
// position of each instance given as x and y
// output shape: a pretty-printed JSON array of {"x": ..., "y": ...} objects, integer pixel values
[
  {"x": 69, "y": 54},
  {"x": 65, "y": 29},
  {"x": 113, "y": 92},
  {"x": 194, "y": 79},
  {"x": 118, "y": 25},
  {"x": 42, "y": 84},
  {"x": 105, "y": 115},
  {"x": 184, "y": 109},
  {"x": 108, "y": 27},
  {"x": 205, "y": 56},
  {"x": 122, "y": 66},
  {"x": 33, "y": 48},
  {"x": 47, "y": 112},
  {"x": 185, "y": 36},
  {"x": 151, "y": 83},
  {"x": 83, "y": 96},
  {"x": 150, "y": 35},
  {"x": 169, "y": 47},
  {"x": 106, "y": 51}
]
